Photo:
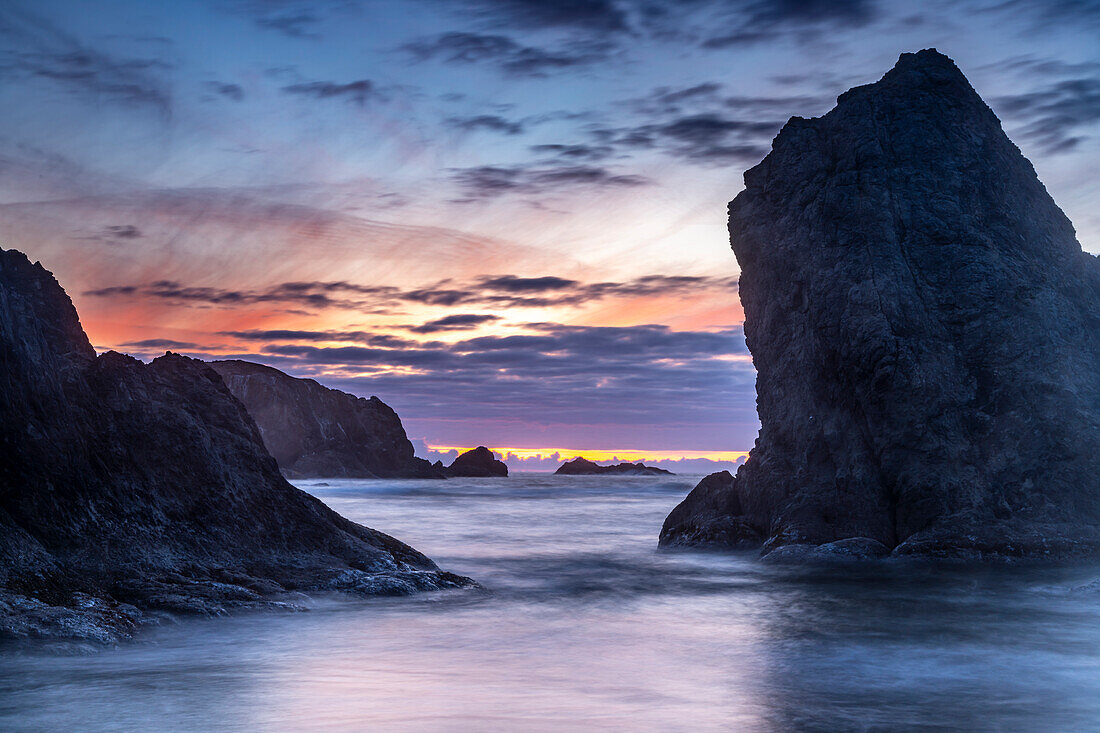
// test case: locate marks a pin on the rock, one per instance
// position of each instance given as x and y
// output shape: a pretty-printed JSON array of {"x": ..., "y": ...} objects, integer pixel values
[
  {"x": 926, "y": 333},
  {"x": 479, "y": 462},
  {"x": 317, "y": 432},
  {"x": 128, "y": 489},
  {"x": 584, "y": 467}
]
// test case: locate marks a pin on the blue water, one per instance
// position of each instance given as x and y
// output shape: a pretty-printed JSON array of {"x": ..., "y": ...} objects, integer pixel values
[{"x": 585, "y": 625}]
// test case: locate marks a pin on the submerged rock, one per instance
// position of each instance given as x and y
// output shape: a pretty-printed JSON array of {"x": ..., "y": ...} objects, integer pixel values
[
  {"x": 926, "y": 332},
  {"x": 317, "y": 432},
  {"x": 127, "y": 489},
  {"x": 584, "y": 467},
  {"x": 476, "y": 463}
]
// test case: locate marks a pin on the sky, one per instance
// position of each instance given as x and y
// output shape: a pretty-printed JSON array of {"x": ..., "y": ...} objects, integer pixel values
[{"x": 506, "y": 218}]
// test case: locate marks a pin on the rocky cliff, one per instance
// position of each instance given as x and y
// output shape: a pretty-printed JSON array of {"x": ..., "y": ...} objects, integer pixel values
[
  {"x": 317, "y": 432},
  {"x": 477, "y": 463},
  {"x": 130, "y": 488},
  {"x": 926, "y": 332},
  {"x": 584, "y": 467}
]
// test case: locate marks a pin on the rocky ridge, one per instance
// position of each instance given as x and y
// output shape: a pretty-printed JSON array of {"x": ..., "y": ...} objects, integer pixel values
[
  {"x": 317, "y": 432},
  {"x": 584, "y": 467},
  {"x": 128, "y": 490},
  {"x": 926, "y": 332},
  {"x": 477, "y": 463}
]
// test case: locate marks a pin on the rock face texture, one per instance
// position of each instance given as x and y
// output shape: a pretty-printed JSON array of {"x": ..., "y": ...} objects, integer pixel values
[
  {"x": 584, "y": 467},
  {"x": 127, "y": 489},
  {"x": 477, "y": 463},
  {"x": 926, "y": 332},
  {"x": 317, "y": 432}
]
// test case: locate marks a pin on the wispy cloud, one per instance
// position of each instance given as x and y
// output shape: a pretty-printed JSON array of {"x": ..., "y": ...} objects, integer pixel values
[
  {"x": 507, "y": 54},
  {"x": 359, "y": 91}
]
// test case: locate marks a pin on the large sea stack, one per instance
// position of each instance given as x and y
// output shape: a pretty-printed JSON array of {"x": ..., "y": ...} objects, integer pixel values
[
  {"x": 926, "y": 332},
  {"x": 130, "y": 488},
  {"x": 314, "y": 432}
]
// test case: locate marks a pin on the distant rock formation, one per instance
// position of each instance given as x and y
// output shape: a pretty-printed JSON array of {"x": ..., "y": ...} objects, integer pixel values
[
  {"x": 926, "y": 332},
  {"x": 129, "y": 488},
  {"x": 479, "y": 462},
  {"x": 584, "y": 467},
  {"x": 317, "y": 432}
]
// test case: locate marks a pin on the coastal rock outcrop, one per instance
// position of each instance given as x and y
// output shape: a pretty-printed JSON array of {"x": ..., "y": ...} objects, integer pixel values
[
  {"x": 926, "y": 332},
  {"x": 477, "y": 463},
  {"x": 129, "y": 489},
  {"x": 317, "y": 432},
  {"x": 584, "y": 467}
]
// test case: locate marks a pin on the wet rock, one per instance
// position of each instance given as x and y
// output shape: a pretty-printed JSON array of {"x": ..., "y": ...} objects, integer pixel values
[
  {"x": 129, "y": 488},
  {"x": 479, "y": 462},
  {"x": 584, "y": 467},
  {"x": 317, "y": 432},
  {"x": 926, "y": 333}
]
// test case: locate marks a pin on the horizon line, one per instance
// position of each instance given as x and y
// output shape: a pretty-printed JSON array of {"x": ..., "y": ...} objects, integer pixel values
[{"x": 596, "y": 454}]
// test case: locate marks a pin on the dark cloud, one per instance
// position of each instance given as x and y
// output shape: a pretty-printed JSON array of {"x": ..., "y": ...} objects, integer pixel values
[
  {"x": 508, "y": 55},
  {"x": 487, "y": 182},
  {"x": 575, "y": 375},
  {"x": 33, "y": 48},
  {"x": 354, "y": 91},
  {"x": 513, "y": 284},
  {"x": 123, "y": 231},
  {"x": 580, "y": 152},
  {"x": 1050, "y": 14},
  {"x": 457, "y": 322},
  {"x": 492, "y": 123},
  {"x": 1054, "y": 116},
  {"x": 229, "y": 91},
  {"x": 294, "y": 24},
  {"x": 600, "y": 16},
  {"x": 496, "y": 291},
  {"x": 161, "y": 344},
  {"x": 745, "y": 23}
]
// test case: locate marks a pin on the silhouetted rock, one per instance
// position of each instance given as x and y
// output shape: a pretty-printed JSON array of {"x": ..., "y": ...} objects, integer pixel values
[
  {"x": 584, "y": 467},
  {"x": 317, "y": 432},
  {"x": 479, "y": 462},
  {"x": 127, "y": 488},
  {"x": 926, "y": 332}
]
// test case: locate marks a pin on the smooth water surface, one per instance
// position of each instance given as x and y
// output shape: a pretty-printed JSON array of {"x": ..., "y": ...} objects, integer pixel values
[{"x": 585, "y": 625}]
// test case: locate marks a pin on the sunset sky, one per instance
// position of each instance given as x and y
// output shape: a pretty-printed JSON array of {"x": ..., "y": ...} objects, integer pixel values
[{"x": 506, "y": 218}]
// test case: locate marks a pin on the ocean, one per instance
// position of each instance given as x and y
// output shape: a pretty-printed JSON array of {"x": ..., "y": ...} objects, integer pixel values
[{"x": 583, "y": 624}]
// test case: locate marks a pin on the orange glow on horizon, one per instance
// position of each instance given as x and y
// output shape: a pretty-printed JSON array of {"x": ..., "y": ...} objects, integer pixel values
[{"x": 604, "y": 454}]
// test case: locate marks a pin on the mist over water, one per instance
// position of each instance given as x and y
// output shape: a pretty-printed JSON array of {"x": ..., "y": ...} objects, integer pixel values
[{"x": 584, "y": 624}]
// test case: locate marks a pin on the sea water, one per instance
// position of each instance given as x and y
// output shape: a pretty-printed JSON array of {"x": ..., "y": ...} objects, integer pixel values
[{"x": 583, "y": 624}]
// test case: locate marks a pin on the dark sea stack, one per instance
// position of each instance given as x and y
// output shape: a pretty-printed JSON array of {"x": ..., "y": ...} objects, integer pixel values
[
  {"x": 584, "y": 467},
  {"x": 477, "y": 463},
  {"x": 926, "y": 332},
  {"x": 317, "y": 432},
  {"x": 128, "y": 488}
]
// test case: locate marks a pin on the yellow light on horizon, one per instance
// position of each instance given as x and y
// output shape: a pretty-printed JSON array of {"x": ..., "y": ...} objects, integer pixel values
[{"x": 602, "y": 454}]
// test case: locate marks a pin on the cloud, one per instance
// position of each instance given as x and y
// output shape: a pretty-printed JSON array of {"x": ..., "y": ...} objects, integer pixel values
[
  {"x": 492, "y": 123},
  {"x": 576, "y": 152},
  {"x": 161, "y": 344},
  {"x": 1054, "y": 116},
  {"x": 32, "y": 48},
  {"x": 508, "y": 55},
  {"x": 493, "y": 291},
  {"x": 756, "y": 21},
  {"x": 487, "y": 182},
  {"x": 354, "y": 91},
  {"x": 123, "y": 231},
  {"x": 229, "y": 91},
  {"x": 457, "y": 322},
  {"x": 295, "y": 25},
  {"x": 571, "y": 375},
  {"x": 599, "y": 16}
]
